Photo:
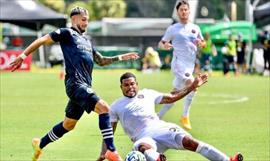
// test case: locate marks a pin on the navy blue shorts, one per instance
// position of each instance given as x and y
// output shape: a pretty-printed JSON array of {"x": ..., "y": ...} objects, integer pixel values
[{"x": 83, "y": 99}]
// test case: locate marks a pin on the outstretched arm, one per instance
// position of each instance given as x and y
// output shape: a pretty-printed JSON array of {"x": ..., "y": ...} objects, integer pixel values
[
  {"x": 104, "y": 60},
  {"x": 177, "y": 95},
  {"x": 103, "y": 147},
  {"x": 45, "y": 40}
]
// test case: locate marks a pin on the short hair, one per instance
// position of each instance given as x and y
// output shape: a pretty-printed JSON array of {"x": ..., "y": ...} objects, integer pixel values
[
  {"x": 78, "y": 10},
  {"x": 127, "y": 75},
  {"x": 182, "y": 2}
]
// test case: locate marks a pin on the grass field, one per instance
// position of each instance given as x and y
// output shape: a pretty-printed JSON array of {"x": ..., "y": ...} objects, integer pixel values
[{"x": 230, "y": 113}]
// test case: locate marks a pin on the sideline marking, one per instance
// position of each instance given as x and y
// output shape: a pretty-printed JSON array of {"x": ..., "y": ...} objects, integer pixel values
[{"x": 229, "y": 98}]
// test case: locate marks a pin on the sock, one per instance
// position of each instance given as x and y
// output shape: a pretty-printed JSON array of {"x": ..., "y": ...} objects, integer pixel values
[
  {"x": 187, "y": 104},
  {"x": 164, "y": 109},
  {"x": 57, "y": 132},
  {"x": 211, "y": 153},
  {"x": 151, "y": 155},
  {"x": 106, "y": 131}
]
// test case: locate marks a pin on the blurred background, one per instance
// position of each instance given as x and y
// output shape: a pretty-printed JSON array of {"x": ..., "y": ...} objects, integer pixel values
[{"x": 118, "y": 26}]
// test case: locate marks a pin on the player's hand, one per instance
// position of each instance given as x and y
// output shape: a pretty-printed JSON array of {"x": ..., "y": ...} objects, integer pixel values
[
  {"x": 101, "y": 158},
  {"x": 200, "y": 43},
  {"x": 16, "y": 64},
  {"x": 128, "y": 56},
  {"x": 200, "y": 80},
  {"x": 168, "y": 46}
]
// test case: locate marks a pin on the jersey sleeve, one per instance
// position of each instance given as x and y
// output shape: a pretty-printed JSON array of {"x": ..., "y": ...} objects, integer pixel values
[
  {"x": 200, "y": 34},
  {"x": 168, "y": 34},
  {"x": 155, "y": 95},
  {"x": 112, "y": 113},
  {"x": 59, "y": 34}
]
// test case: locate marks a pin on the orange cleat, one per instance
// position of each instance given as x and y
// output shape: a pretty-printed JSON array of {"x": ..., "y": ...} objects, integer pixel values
[
  {"x": 113, "y": 156},
  {"x": 237, "y": 157},
  {"x": 36, "y": 148}
]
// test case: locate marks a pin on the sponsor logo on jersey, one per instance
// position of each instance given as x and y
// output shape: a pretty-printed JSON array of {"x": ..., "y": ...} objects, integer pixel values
[{"x": 193, "y": 31}]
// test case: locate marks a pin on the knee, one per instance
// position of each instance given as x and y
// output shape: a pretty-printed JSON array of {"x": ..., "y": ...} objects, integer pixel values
[
  {"x": 189, "y": 143},
  {"x": 101, "y": 107},
  {"x": 69, "y": 125},
  {"x": 144, "y": 146}
]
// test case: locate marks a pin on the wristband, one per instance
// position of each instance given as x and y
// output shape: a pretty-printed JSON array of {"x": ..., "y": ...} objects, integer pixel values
[
  {"x": 23, "y": 56},
  {"x": 120, "y": 58}
]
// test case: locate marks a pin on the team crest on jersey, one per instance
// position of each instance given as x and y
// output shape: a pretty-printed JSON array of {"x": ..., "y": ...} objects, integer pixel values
[
  {"x": 140, "y": 96},
  {"x": 193, "y": 31}
]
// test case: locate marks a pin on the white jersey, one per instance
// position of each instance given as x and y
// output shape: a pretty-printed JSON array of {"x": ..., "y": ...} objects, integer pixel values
[
  {"x": 183, "y": 37},
  {"x": 137, "y": 113}
]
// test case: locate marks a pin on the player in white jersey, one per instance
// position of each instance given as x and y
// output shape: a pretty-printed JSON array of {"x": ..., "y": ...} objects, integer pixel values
[
  {"x": 152, "y": 136},
  {"x": 184, "y": 37}
]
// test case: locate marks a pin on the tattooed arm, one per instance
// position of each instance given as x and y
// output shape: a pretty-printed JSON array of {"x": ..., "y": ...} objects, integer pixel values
[
  {"x": 177, "y": 95},
  {"x": 104, "y": 60}
]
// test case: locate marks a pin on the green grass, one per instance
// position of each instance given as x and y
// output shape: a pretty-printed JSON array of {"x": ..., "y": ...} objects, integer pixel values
[{"x": 32, "y": 103}]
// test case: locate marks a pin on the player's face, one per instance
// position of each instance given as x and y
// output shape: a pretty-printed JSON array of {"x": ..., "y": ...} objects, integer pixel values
[
  {"x": 82, "y": 22},
  {"x": 183, "y": 12},
  {"x": 129, "y": 87}
]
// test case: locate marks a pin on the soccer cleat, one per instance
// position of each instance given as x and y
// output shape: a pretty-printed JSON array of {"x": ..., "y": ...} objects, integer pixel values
[
  {"x": 186, "y": 123},
  {"x": 113, "y": 156},
  {"x": 36, "y": 148},
  {"x": 237, "y": 157}
]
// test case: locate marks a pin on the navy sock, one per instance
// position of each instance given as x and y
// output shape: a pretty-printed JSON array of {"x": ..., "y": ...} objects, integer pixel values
[
  {"x": 57, "y": 132},
  {"x": 106, "y": 130}
]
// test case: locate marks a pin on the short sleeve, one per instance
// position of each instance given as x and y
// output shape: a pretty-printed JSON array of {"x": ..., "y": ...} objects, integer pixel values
[
  {"x": 59, "y": 34},
  {"x": 157, "y": 96},
  {"x": 168, "y": 34},
  {"x": 200, "y": 34},
  {"x": 113, "y": 114}
]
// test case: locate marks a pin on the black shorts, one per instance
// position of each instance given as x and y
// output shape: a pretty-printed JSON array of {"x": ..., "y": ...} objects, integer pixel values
[{"x": 83, "y": 99}]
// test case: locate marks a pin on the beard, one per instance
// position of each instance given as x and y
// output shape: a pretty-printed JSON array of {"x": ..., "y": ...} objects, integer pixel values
[{"x": 81, "y": 30}]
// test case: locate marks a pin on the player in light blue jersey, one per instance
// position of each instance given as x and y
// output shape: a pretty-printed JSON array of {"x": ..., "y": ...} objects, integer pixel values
[
  {"x": 79, "y": 56},
  {"x": 184, "y": 37}
]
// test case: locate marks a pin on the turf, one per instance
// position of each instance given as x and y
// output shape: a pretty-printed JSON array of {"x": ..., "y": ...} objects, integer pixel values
[{"x": 230, "y": 113}]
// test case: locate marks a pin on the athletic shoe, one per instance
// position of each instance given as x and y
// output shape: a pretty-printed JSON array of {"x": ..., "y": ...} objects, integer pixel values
[
  {"x": 36, "y": 148},
  {"x": 186, "y": 123},
  {"x": 113, "y": 156},
  {"x": 237, "y": 157}
]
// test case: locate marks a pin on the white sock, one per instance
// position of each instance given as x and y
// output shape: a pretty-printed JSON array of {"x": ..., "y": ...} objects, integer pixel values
[
  {"x": 211, "y": 152},
  {"x": 151, "y": 155},
  {"x": 187, "y": 104},
  {"x": 164, "y": 109}
]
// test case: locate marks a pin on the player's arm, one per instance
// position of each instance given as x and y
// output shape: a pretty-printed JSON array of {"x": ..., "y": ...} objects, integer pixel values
[
  {"x": 105, "y": 60},
  {"x": 165, "y": 45},
  {"x": 104, "y": 148},
  {"x": 177, "y": 95},
  {"x": 45, "y": 40}
]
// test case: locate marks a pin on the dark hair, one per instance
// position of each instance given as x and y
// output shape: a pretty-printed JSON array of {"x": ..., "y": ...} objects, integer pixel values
[
  {"x": 127, "y": 75},
  {"x": 182, "y": 2},
  {"x": 78, "y": 10}
]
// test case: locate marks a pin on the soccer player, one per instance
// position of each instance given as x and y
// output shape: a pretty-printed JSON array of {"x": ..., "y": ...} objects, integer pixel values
[
  {"x": 152, "y": 136},
  {"x": 79, "y": 56},
  {"x": 184, "y": 37}
]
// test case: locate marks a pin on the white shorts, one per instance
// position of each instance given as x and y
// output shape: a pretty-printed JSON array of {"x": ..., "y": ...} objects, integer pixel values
[
  {"x": 163, "y": 138},
  {"x": 180, "y": 82}
]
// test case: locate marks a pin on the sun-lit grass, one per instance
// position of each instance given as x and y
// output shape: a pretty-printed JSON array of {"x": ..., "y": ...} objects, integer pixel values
[{"x": 229, "y": 113}]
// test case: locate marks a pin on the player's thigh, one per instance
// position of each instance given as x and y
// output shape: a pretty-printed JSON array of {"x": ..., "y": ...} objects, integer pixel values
[
  {"x": 167, "y": 137},
  {"x": 74, "y": 110},
  {"x": 86, "y": 98}
]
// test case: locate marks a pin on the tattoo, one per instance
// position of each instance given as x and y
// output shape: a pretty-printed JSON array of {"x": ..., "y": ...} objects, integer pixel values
[
  {"x": 104, "y": 60},
  {"x": 175, "y": 95}
]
